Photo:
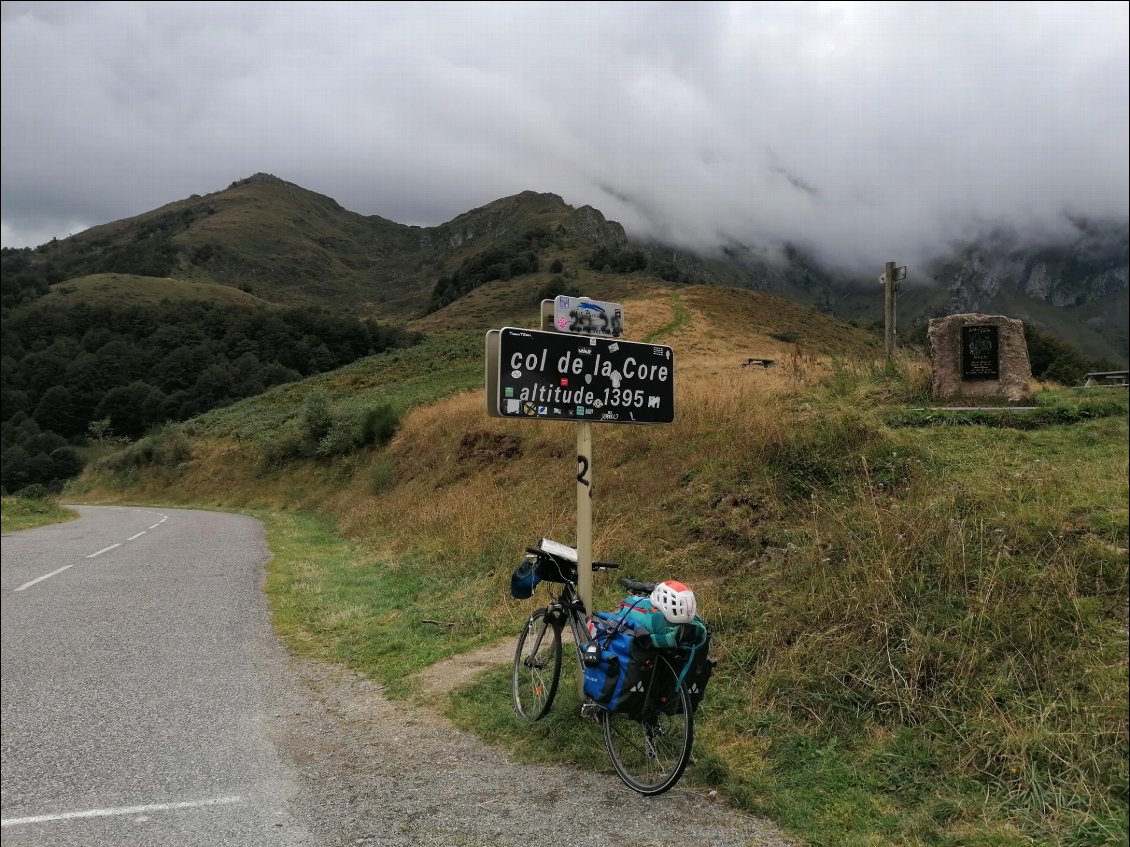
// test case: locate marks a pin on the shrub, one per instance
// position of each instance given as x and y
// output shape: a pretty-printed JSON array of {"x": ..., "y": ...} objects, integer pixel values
[
  {"x": 165, "y": 447},
  {"x": 379, "y": 425},
  {"x": 341, "y": 438},
  {"x": 34, "y": 492},
  {"x": 280, "y": 446},
  {"x": 555, "y": 286},
  {"x": 316, "y": 420}
]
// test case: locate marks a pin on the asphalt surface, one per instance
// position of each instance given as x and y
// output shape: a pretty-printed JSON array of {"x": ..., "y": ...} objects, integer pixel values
[{"x": 137, "y": 683}]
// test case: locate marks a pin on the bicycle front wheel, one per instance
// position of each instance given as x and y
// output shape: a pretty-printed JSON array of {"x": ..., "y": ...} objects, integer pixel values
[
  {"x": 537, "y": 667},
  {"x": 651, "y": 751}
]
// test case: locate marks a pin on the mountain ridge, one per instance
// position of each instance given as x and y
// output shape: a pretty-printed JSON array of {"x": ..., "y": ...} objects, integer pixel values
[{"x": 286, "y": 244}]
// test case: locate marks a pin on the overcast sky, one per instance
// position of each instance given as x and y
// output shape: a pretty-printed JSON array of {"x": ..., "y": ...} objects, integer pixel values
[{"x": 869, "y": 131}]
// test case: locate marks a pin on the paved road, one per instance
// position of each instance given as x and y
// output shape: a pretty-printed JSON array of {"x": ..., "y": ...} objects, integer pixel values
[{"x": 139, "y": 681}]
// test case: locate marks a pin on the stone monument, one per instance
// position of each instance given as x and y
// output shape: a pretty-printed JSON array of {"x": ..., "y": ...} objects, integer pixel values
[{"x": 979, "y": 356}]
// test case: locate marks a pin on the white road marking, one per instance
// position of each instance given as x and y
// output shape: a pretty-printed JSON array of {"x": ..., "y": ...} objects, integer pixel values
[
  {"x": 126, "y": 810},
  {"x": 92, "y": 555},
  {"x": 45, "y": 576},
  {"x": 104, "y": 550}
]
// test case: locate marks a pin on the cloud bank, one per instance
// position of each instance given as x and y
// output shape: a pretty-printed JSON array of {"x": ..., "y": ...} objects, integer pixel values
[{"x": 863, "y": 131}]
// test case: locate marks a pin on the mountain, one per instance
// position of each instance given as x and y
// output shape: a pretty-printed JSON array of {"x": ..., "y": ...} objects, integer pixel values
[
  {"x": 290, "y": 246},
  {"x": 1074, "y": 287}
]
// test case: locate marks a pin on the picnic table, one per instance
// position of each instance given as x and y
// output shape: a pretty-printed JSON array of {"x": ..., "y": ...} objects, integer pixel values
[{"x": 1100, "y": 379}]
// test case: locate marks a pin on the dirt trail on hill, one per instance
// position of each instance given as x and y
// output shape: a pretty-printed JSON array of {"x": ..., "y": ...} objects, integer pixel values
[{"x": 401, "y": 775}]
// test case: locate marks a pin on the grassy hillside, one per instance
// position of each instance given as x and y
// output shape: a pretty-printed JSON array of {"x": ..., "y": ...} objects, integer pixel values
[
  {"x": 289, "y": 246},
  {"x": 130, "y": 290},
  {"x": 921, "y": 627}
]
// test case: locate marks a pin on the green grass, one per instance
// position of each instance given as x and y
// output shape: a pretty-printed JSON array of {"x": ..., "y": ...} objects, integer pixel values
[
  {"x": 385, "y": 617},
  {"x": 131, "y": 290},
  {"x": 402, "y": 379},
  {"x": 1052, "y": 407},
  {"x": 680, "y": 319},
  {"x": 18, "y": 513},
  {"x": 939, "y": 659}
]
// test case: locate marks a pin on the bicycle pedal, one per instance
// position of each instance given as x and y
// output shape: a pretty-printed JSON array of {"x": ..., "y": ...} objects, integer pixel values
[{"x": 590, "y": 710}]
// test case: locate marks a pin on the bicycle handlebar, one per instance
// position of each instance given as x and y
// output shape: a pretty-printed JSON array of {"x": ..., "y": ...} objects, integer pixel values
[
  {"x": 635, "y": 586},
  {"x": 596, "y": 566}
]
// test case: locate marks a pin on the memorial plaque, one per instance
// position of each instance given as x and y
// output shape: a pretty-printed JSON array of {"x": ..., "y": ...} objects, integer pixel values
[
  {"x": 980, "y": 352},
  {"x": 567, "y": 377}
]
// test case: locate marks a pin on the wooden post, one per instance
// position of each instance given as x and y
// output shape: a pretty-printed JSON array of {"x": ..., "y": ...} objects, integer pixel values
[
  {"x": 889, "y": 309},
  {"x": 584, "y": 525}
]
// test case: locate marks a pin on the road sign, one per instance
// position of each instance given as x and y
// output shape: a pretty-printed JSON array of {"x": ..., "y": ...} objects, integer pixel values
[
  {"x": 588, "y": 317},
  {"x": 567, "y": 377},
  {"x": 900, "y": 274}
]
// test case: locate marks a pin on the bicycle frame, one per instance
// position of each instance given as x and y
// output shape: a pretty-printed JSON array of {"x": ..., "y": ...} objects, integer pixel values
[{"x": 568, "y": 605}]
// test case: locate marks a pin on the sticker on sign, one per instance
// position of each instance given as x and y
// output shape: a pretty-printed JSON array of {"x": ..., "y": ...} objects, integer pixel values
[{"x": 586, "y": 316}]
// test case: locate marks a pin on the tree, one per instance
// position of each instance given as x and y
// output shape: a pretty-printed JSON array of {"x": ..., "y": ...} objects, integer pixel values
[
  {"x": 14, "y": 470},
  {"x": 181, "y": 368},
  {"x": 56, "y": 410},
  {"x": 65, "y": 463},
  {"x": 131, "y": 408}
]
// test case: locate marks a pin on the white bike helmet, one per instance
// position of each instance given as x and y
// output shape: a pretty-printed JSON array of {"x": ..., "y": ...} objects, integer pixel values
[{"x": 675, "y": 600}]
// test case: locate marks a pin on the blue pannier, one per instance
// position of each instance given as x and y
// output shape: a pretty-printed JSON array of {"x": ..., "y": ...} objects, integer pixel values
[
  {"x": 627, "y": 678},
  {"x": 623, "y": 679}
]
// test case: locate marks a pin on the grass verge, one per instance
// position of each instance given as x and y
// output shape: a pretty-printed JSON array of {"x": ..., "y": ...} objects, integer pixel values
[
  {"x": 387, "y": 616},
  {"x": 18, "y": 513}
]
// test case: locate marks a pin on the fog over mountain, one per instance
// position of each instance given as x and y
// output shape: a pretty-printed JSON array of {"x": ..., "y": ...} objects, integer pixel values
[{"x": 861, "y": 132}]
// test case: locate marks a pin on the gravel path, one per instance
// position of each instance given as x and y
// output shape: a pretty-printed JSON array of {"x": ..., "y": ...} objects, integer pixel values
[{"x": 388, "y": 774}]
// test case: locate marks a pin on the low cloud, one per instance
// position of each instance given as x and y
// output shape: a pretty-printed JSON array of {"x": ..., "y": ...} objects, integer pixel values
[{"x": 862, "y": 131}]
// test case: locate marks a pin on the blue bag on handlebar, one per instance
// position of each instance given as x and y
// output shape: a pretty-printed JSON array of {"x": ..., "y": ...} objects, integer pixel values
[{"x": 523, "y": 581}]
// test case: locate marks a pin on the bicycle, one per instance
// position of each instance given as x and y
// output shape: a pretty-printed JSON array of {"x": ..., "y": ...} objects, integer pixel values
[{"x": 649, "y": 751}]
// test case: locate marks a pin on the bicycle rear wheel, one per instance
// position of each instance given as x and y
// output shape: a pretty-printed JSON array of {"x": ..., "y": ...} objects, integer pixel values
[
  {"x": 651, "y": 751},
  {"x": 537, "y": 667}
]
